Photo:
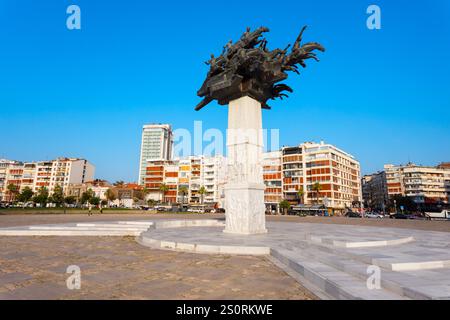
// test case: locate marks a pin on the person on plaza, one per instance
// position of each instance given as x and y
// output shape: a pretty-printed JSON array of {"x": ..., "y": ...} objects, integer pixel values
[{"x": 89, "y": 209}]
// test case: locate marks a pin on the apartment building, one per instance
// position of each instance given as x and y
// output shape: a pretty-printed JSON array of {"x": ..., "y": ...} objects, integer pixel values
[
  {"x": 375, "y": 191},
  {"x": 273, "y": 180},
  {"x": 190, "y": 174},
  {"x": 10, "y": 174},
  {"x": 337, "y": 172},
  {"x": 425, "y": 185},
  {"x": 62, "y": 172},
  {"x": 156, "y": 144},
  {"x": 4, "y": 164},
  {"x": 214, "y": 174},
  {"x": 285, "y": 172},
  {"x": 171, "y": 182},
  {"x": 29, "y": 175},
  {"x": 49, "y": 174},
  {"x": 154, "y": 178}
]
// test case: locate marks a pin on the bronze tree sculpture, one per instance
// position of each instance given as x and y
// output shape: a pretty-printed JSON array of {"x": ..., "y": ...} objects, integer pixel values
[{"x": 247, "y": 67}]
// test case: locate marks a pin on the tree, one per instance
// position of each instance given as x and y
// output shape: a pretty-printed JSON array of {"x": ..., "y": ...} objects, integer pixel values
[
  {"x": 57, "y": 197},
  {"x": 70, "y": 200},
  {"x": 41, "y": 196},
  {"x": 300, "y": 194},
  {"x": 285, "y": 206},
  {"x": 13, "y": 191},
  {"x": 145, "y": 192},
  {"x": 87, "y": 196},
  {"x": 151, "y": 202},
  {"x": 183, "y": 190},
  {"x": 95, "y": 201},
  {"x": 317, "y": 187},
  {"x": 163, "y": 188},
  {"x": 25, "y": 195},
  {"x": 110, "y": 195},
  {"x": 202, "y": 192}
]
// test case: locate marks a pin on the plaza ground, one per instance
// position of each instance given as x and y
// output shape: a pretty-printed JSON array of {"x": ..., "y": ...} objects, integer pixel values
[{"x": 119, "y": 268}]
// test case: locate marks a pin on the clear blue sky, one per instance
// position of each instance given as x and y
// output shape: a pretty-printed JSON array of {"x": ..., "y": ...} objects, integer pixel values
[{"x": 383, "y": 95}]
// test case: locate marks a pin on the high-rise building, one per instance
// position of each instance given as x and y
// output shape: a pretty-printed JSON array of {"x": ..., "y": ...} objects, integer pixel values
[{"x": 156, "y": 144}]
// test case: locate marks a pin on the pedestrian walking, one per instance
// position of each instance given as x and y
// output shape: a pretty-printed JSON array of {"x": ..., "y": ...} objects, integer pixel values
[{"x": 89, "y": 209}]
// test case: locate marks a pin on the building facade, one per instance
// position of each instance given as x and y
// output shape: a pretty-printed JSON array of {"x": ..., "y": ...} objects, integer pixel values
[
  {"x": 48, "y": 174},
  {"x": 10, "y": 174},
  {"x": 198, "y": 178},
  {"x": 273, "y": 180},
  {"x": 156, "y": 144},
  {"x": 425, "y": 185},
  {"x": 337, "y": 172},
  {"x": 191, "y": 180},
  {"x": 375, "y": 191}
]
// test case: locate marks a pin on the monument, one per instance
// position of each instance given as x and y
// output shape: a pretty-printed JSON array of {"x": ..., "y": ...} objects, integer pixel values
[{"x": 245, "y": 76}]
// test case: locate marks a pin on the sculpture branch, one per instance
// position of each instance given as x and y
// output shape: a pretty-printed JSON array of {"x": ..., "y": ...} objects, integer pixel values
[{"x": 248, "y": 67}]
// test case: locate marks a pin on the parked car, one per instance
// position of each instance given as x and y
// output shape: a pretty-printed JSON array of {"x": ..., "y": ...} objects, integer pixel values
[
  {"x": 398, "y": 216},
  {"x": 373, "y": 215},
  {"x": 444, "y": 214},
  {"x": 196, "y": 210},
  {"x": 351, "y": 214}
]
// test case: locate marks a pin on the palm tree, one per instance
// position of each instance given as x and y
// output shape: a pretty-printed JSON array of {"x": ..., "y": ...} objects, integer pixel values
[
  {"x": 183, "y": 190},
  {"x": 317, "y": 187},
  {"x": 13, "y": 191},
  {"x": 163, "y": 188},
  {"x": 145, "y": 192},
  {"x": 202, "y": 192},
  {"x": 110, "y": 196},
  {"x": 300, "y": 194},
  {"x": 285, "y": 206}
]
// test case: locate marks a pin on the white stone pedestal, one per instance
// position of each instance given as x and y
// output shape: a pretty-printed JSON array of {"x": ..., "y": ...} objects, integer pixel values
[{"x": 244, "y": 192}]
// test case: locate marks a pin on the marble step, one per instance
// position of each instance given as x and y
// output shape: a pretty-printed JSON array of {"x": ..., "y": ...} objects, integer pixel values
[
  {"x": 82, "y": 228},
  {"x": 390, "y": 280},
  {"x": 138, "y": 223},
  {"x": 67, "y": 232},
  {"x": 332, "y": 281},
  {"x": 376, "y": 256},
  {"x": 116, "y": 226},
  {"x": 419, "y": 283}
]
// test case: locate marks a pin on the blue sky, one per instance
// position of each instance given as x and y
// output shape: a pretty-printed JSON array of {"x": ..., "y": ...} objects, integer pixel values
[{"x": 382, "y": 95}]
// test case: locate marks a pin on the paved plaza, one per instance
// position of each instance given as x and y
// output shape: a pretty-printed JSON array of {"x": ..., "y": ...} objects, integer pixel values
[
  {"x": 120, "y": 268},
  {"x": 152, "y": 257}
]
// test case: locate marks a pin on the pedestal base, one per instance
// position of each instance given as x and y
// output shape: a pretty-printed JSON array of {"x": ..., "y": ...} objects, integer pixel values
[{"x": 245, "y": 210}]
